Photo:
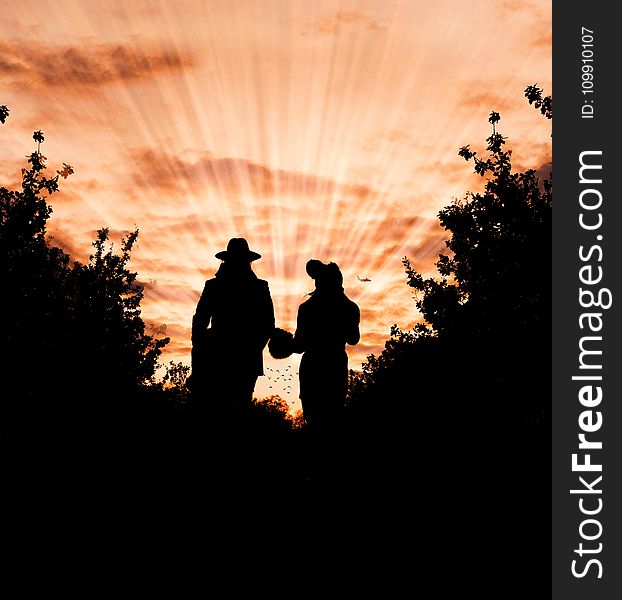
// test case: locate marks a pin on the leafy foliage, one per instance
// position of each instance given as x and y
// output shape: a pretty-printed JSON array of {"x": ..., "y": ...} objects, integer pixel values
[
  {"x": 272, "y": 414},
  {"x": 488, "y": 314},
  {"x": 543, "y": 103},
  {"x": 106, "y": 308},
  {"x": 72, "y": 332},
  {"x": 496, "y": 277}
]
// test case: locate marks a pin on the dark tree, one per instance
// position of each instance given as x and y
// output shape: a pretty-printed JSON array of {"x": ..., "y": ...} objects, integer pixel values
[
  {"x": 492, "y": 304},
  {"x": 543, "y": 103},
  {"x": 73, "y": 336},
  {"x": 459, "y": 407},
  {"x": 487, "y": 318},
  {"x": 33, "y": 304},
  {"x": 111, "y": 346}
]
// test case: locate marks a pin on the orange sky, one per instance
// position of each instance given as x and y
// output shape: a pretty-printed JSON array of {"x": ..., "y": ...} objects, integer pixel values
[{"x": 315, "y": 129}]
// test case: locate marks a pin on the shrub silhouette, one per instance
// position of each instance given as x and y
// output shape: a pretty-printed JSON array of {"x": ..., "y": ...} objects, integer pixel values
[
  {"x": 458, "y": 408},
  {"x": 75, "y": 342},
  {"x": 486, "y": 338}
]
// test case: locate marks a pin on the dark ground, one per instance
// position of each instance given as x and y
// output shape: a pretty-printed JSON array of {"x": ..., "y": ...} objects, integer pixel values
[{"x": 468, "y": 517}]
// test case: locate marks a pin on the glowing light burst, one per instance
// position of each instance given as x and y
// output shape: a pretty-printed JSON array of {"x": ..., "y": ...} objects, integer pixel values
[{"x": 317, "y": 129}]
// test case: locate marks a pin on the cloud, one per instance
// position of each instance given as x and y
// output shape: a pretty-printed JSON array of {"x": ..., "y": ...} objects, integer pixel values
[
  {"x": 75, "y": 192},
  {"x": 345, "y": 20},
  {"x": 535, "y": 12},
  {"x": 511, "y": 8},
  {"x": 172, "y": 293},
  {"x": 386, "y": 241},
  {"x": 177, "y": 350},
  {"x": 29, "y": 63},
  {"x": 543, "y": 41},
  {"x": 360, "y": 353},
  {"x": 11, "y": 176},
  {"x": 62, "y": 239},
  {"x": 372, "y": 343},
  {"x": 232, "y": 176},
  {"x": 371, "y": 314},
  {"x": 476, "y": 99},
  {"x": 543, "y": 173}
]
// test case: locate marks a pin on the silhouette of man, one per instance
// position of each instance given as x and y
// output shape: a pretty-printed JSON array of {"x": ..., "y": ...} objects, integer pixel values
[
  {"x": 233, "y": 321},
  {"x": 327, "y": 321}
]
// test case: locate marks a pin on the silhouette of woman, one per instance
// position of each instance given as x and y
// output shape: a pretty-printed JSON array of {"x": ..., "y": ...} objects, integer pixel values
[
  {"x": 327, "y": 321},
  {"x": 230, "y": 328}
]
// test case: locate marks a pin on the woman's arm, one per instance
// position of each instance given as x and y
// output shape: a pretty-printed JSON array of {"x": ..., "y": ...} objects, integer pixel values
[
  {"x": 300, "y": 337},
  {"x": 353, "y": 334}
]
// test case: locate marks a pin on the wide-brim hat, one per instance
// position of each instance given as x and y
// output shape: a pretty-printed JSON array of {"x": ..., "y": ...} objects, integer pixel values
[{"x": 237, "y": 248}]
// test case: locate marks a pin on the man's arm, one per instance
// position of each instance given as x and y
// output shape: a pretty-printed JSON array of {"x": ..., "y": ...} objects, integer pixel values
[
  {"x": 267, "y": 317},
  {"x": 203, "y": 314}
]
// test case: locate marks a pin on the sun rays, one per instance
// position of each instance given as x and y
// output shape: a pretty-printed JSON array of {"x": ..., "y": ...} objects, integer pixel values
[{"x": 314, "y": 129}]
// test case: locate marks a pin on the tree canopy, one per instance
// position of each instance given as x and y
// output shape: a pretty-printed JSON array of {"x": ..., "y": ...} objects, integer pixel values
[
  {"x": 485, "y": 337},
  {"x": 73, "y": 335}
]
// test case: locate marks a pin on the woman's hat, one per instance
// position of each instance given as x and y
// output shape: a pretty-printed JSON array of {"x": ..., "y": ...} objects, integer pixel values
[
  {"x": 325, "y": 275},
  {"x": 237, "y": 248}
]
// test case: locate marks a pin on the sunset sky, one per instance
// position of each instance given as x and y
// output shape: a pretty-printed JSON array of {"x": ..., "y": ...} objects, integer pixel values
[{"x": 315, "y": 129}]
